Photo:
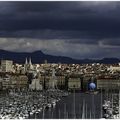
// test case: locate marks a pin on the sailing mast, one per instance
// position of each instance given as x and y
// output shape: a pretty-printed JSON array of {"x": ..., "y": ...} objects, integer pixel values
[
  {"x": 101, "y": 104},
  {"x": 67, "y": 115},
  {"x": 119, "y": 104},
  {"x": 112, "y": 101},
  {"x": 43, "y": 115},
  {"x": 86, "y": 111},
  {"x": 52, "y": 114},
  {"x": 80, "y": 110},
  {"x": 93, "y": 106},
  {"x": 83, "y": 110},
  {"x": 90, "y": 114},
  {"x": 64, "y": 110},
  {"x": 74, "y": 105},
  {"x": 59, "y": 113}
]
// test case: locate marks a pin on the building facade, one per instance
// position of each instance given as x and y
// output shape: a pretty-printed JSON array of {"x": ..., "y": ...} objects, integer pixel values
[
  {"x": 74, "y": 83},
  {"x": 108, "y": 83},
  {"x": 16, "y": 81},
  {"x": 7, "y": 65}
]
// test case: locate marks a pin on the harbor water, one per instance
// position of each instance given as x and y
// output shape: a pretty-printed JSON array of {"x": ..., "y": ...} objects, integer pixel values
[{"x": 76, "y": 105}]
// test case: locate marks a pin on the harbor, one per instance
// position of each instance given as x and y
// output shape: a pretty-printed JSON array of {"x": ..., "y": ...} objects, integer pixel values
[
  {"x": 27, "y": 104},
  {"x": 58, "y": 104},
  {"x": 75, "y": 106},
  {"x": 111, "y": 106}
]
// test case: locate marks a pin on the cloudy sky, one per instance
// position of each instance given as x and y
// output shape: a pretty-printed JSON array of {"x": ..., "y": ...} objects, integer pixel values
[{"x": 74, "y": 29}]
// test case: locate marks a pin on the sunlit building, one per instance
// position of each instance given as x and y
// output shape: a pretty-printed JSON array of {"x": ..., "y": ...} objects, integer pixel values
[
  {"x": 7, "y": 65},
  {"x": 108, "y": 83}
]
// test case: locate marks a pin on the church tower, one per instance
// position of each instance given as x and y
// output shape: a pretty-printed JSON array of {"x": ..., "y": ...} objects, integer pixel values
[
  {"x": 26, "y": 61},
  {"x": 26, "y": 65},
  {"x": 30, "y": 64}
]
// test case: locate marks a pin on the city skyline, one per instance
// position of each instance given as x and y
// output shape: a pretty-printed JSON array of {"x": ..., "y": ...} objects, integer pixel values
[{"x": 73, "y": 29}]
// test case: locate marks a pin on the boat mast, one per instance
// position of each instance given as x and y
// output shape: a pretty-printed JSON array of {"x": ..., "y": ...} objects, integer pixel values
[
  {"x": 93, "y": 106},
  {"x": 86, "y": 111},
  {"x": 64, "y": 110},
  {"x": 80, "y": 110},
  {"x": 74, "y": 105},
  {"x": 101, "y": 104},
  {"x": 90, "y": 114},
  {"x": 35, "y": 115},
  {"x": 119, "y": 104},
  {"x": 67, "y": 115},
  {"x": 83, "y": 110},
  {"x": 112, "y": 101},
  {"x": 52, "y": 114},
  {"x": 59, "y": 113},
  {"x": 43, "y": 115}
]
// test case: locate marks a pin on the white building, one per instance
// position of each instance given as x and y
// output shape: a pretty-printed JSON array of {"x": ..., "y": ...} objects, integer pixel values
[
  {"x": 112, "y": 68},
  {"x": 35, "y": 85},
  {"x": 53, "y": 80},
  {"x": 7, "y": 65}
]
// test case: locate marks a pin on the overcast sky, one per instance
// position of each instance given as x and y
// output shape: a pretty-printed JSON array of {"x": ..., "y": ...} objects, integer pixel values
[{"x": 74, "y": 29}]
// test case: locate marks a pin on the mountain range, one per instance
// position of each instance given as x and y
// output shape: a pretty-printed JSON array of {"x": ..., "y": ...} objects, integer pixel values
[{"x": 39, "y": 57}]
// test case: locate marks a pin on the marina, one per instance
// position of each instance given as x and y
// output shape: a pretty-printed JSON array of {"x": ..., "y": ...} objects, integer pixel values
[
  {"x": 85, "y": 106},
  {"x": 82, "y": 108},
  {"x": 27, "y": 104},
  {"x": 111, "y": 106},
  {"x": 58, "y": 104}
]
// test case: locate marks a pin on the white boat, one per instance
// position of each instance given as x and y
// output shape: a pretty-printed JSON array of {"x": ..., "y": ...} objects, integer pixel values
[
  {"x": 39, "y": 110},
  {"x": 116, "y": 116},
  {"x": 109, "y": 111},
  {"x": 20, "y": 118},
  {"x": 49, "y": 105},
  {"x": 106, "y": 105},
  {"x": 36, "y": 112},
  {"x": 58, "y": 100},
  {"x": 31, "y": 113},
  {"x": 106, "y": 115}
]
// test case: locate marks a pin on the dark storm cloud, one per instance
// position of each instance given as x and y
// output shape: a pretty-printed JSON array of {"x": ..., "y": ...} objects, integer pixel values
[
  {"x": 94, "y": 25},
  {"x": 64, "y": 16},
  {"x": 57, "y": 15}
]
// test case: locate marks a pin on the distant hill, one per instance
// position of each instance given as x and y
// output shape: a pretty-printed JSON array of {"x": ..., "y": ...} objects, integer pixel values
[{"x": 39, "y": 57}]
